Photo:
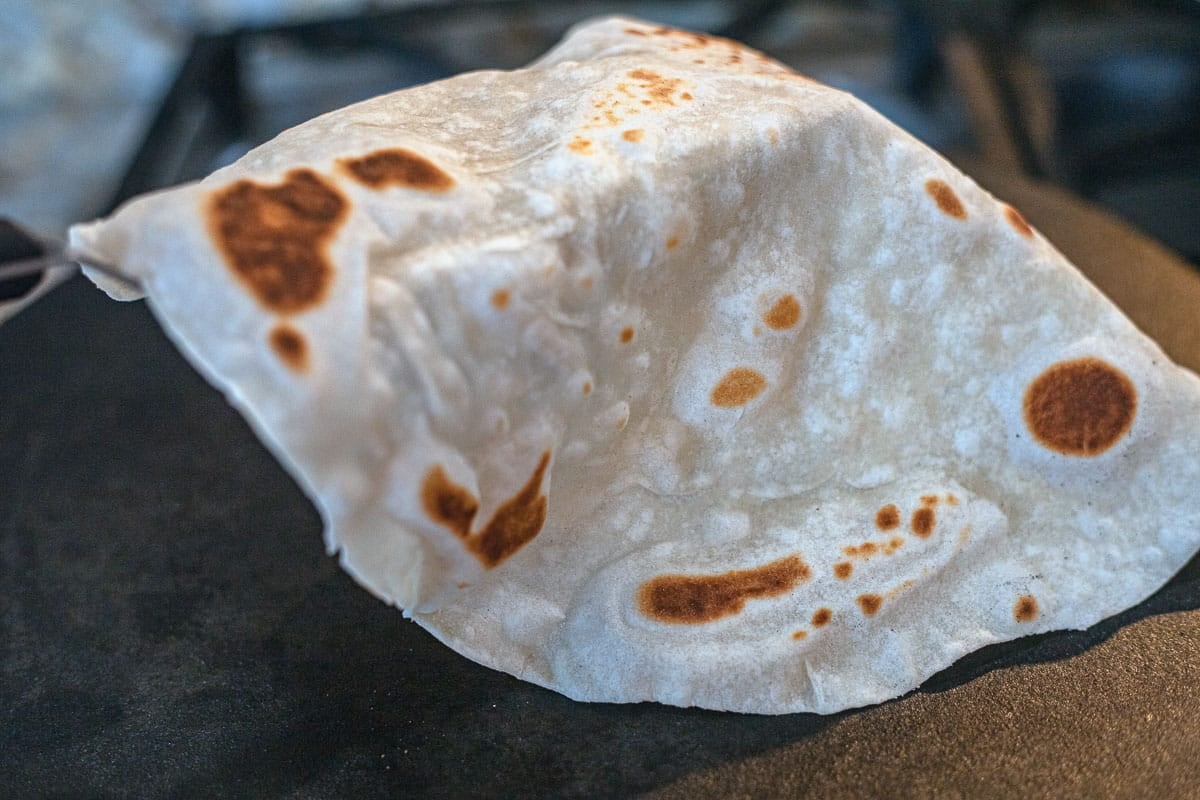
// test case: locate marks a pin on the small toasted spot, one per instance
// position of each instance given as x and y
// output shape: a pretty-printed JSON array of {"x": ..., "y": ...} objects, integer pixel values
[
  {"x": 784, "y": 314},
  {"x": 842, "y": 570},
  {"x": 291, "y": 347},
  {"x": 929, "y": 499},
  {"x": 951, "y": 500},
  {"x": 1080, "y": 407},
  {"x": 447, "y": 503},
  {"x": 945, "y": 198},
  {"x": 868, "y": 548},
  {"x": 887, "y": 517},
  {"x": 798, "y": 635},
  {"x": 672, "y": 242},
  {"x": 274, "y": 238},
  {"x": 1018, "y": 222},
  {"x": 500, "y": 298},
  {"x": 580, "y": 145},
  {"x": 869, "y": 603},
  {"x": 821, "y": 617},
  {"x": 660, "y": 89},
  {"x": 633, "y": 135},
  {"x": 585, "y": 282},
  {"x": 635, "y": 32},
  {"x": 739, "y": 386},
  {"x": 685, "y": 96},
  {"x": 772, "y": 135},
  {"x": 923, "y": 521},
  {"x": 398, "y": 167},
  {"x": 1026, "y": 608},
  {"x": 626, "y": 335},
  {"x": 694, "y": 599},
  {"x": 587, "y": 387}
]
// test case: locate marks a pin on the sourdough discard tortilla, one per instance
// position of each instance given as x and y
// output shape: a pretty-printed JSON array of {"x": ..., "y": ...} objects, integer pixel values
[{"x": 655, "y": 371}]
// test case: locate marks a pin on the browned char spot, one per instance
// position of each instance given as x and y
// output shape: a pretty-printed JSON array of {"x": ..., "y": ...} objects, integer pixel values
[
  {"x": 626, "y": 335},
  {"x": 500, "y": 298},
  {"x": 659, "y": 89},
  {"x": 866, "y": 550},
  {"x": 1026, "y": 608},
  {"x": 739, "y": 386},
  {"x": 923, "y": 521},
  {"x": 821, "y": 617},
  {"x": 672, "y": 242},
  {"x": 869, "y": 603},
  {"x": 842, "y": 570},
  {"x": 945, "y": 198},
  {"x": 398, "y": 167},
  {"x": 635, "y": 32},
  {"x": 632, "y": 135},
  {"x": 580, "y": 145},
  {"x": 274, "y": 238},
  {"x": 785, "y": 313},
  {"x": 693, "y": 599},
  {"x": 291, "y": 347},
  {"x": 514, "y": 524},
  {"x": 1080, "y": 407},
  {"x": 798, "y": 635},
  {"x": 887, "y": 517},
  {"x": 1018, "y": 222},
  {"x": 447, "y": 503}
]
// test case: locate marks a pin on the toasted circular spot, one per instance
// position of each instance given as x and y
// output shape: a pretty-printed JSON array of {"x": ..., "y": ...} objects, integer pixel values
[
  {"x": 869, "y": 603},
  {"x": 945, "y": 198},
  {"x": 1080, "y": 407},
  {"x": 291, "y": 347},
  {"x": 500, "y": 298},
  {"x": 274, "y": 238},
  {"x": 587, "y": 387},
  {"x": 923, "y": 521},
  {"x": 842, "y": 570},
  {"x": 887, "y": 517},
  {"x": 798, "y": 635},
  {"x": 398, "y": 167},
  {"x": 1017, "y": 221},
  {"x": 784, "y": 314},
  {"x": 693, "y": 599},
  {"x": 821, "y": 617},
  {"x": 1026, "y": 608},
  {"x": 739, "y": 386},
  {"x": 672, "y": 242},
  {"x": 632, "y": 135},
  {"x": 580, "y": 145},
  {"x": 626, "y": 335}
]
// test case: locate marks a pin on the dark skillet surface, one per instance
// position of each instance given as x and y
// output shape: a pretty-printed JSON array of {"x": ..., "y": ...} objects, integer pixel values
[{"x": 171, "y": 627}]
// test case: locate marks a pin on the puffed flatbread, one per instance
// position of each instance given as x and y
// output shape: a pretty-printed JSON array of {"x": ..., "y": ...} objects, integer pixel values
[{"x": 655, "y": 371}]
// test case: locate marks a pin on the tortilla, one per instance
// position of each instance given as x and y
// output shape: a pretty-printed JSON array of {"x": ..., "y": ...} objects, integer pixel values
[{"x": 655, "y": 371}]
